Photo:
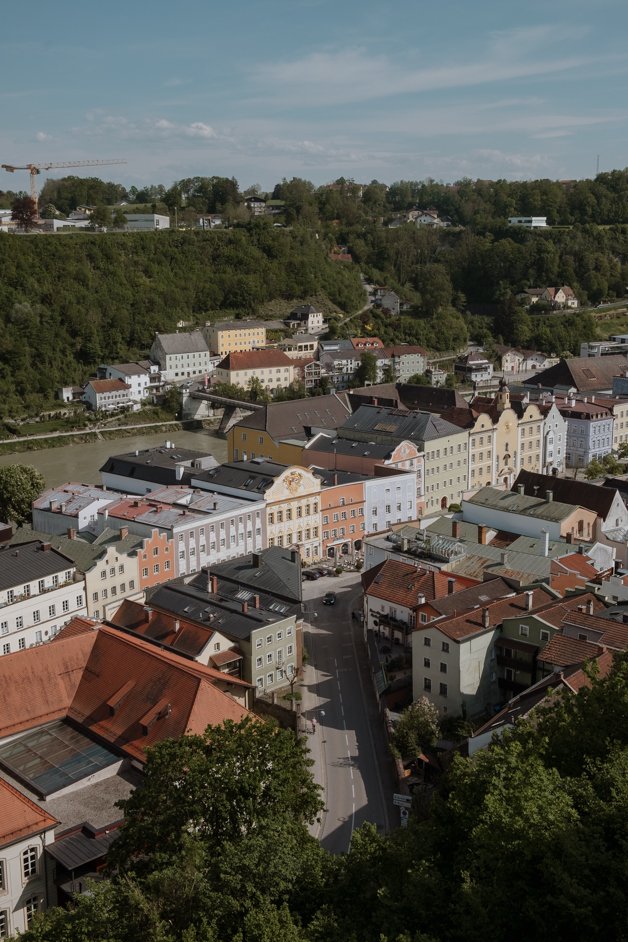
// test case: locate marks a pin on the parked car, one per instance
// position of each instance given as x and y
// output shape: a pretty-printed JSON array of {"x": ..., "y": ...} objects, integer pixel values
[
  {"x": 329, "y": 598},
  {"x": 311, "y": 574}
]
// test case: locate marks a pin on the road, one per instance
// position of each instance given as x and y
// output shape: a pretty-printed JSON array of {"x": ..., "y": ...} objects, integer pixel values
[{"x": 348, "y": 743}]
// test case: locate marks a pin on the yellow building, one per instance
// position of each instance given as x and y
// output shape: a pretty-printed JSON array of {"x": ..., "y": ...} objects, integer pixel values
[
  {"x": 225, "y": 337},
  {"x": 281, "y": 430},
  {"x": 293, "y": 512}
]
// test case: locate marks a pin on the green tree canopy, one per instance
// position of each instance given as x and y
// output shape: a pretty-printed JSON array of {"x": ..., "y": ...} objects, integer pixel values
[{"x": 19, "y": 486}]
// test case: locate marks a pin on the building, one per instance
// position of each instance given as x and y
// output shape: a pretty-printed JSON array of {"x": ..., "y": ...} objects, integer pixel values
[
  {"x": 291, "y": 495},
  {"x": 514, "y": 512},
  {"x": 225, "y": 337},
  {"x": 340, "y": 454},
  {"x": 528, "y": 222},
  {"x": 107, "y": 395},
  {"x": 300, "y": 346},
  {"x": 272, "y": 368},
  {"x": 557, "y": 297},
  {"x": 108, "y": 564},
  {"x": 443, "y": 444},
  {"x": 391, "y": 498},
  {"x": 40, "y": 591},
  {"x": 516, "y": 360},
  {"x": 408, "y": 397},
  {"x": 606, "y": 502},
  {"x": 69, "y": 506},
  {"x": 281, "y": 430},
  {"x": 181, "y": 355},
  {"x": 146, "y": 222},
  {"x": 342, "y": 504},
  {"x": 143, "y": 378},
  {"x": 554, "y": 437},
  {"x": 474, "y": 367},
  {"x": 387, "y": 300},
  {"x": 590, "y": 430},
  {"x": 452, "y": 657},
  {"x": 306, "y": 319},
  {"x": 146, "y": 470},
  {"x": 580, "y": 375},
  {"x": 25, "y": 887}
]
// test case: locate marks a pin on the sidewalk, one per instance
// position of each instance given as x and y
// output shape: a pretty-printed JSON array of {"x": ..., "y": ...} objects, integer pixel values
[{"x": 310, "y": 729}]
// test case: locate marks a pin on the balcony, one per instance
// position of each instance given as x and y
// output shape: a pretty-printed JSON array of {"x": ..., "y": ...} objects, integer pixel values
[{"x": 517, "y": 663}]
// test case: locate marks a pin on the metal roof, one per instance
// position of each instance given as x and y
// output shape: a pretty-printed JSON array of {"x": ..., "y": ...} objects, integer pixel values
[{"x": 30, "y": 561}]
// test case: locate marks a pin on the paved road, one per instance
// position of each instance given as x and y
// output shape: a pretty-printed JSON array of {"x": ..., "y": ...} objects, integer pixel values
[{"x": 347, "y": 744}]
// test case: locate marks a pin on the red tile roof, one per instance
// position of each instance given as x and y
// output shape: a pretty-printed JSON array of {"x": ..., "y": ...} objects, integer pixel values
[
  {"x": 108, "y": 385},
  {"x": 555, "y": 613},
  {"x": 403, "y": 583},
  {"x": 19, "y": 816},
  {"x": 254, "y": 360},
  {"x": 613, "y": 634},
  {"x": 76, "y": 626},
  {"x": 461, "y": 627},
  {"x": 563, "y": 651}
]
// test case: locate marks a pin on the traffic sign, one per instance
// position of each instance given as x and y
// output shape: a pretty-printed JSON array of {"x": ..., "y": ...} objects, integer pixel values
[{"x": 402, "y": 801}]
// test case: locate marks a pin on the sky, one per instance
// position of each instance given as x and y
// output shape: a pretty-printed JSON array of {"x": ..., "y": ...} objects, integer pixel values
[{"x": 270, "y": 89}]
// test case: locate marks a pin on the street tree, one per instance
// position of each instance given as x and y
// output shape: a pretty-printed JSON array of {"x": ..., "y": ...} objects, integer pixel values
[
  {"x": 24, "y": 212},
  {"x": 366, "y": 373},
  {"x": 417, "y": 728},
  {"x": 19, "y": 486}
]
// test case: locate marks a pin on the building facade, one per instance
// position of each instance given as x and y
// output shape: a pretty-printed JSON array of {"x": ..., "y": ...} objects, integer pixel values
[{"x": 225, "y": 337}]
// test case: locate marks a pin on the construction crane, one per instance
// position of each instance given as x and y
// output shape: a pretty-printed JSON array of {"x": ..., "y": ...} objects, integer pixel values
[{"x": 35, "y": 169}]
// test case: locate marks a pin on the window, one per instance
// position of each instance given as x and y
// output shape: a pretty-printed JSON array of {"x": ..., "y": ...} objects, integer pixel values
[
  {"x": 258, "y": 662},
  {"x": 258, "y": 643},
  {"x": 427, "y": 683},
  {"x": 4, "y": 921},
  {"x": 38, "y": 637},
  {"x": 289, "y": 632},
  {"x": 427, "y": 642},
  {"x": 145, "y": 572},
  {"x": 524, "y": 631},
  {"x": 104, "y": 594},
  {"x": 112, "y": 571},
  {"x": 427, "y": 662},
  {"x": 65, "y": 607},
  {"x": 156, "y": 569},
  {"x": 4, "y": 627},
  {"x": 269, "y": 657},
  {"x": 545, "y": 635},
  {"x": 29, "y": 862},
  {"x": 167, "y": 566},
  {"x": 19, "y": 621},
  {"x": 6, "y": 648},
  {"x": 445, "y": 647},
  {"x": 289, "y": 650},
  {"x": 269, "y": 679},
  {"x": 3, "y": 880},
  {"x": 131, "y": 584},
  {"x": 41, "y": 585},
  {"x": 31, "y": 906},
  {"x": 103, "y": 573},
  {"x": 37, "y": 617},
  {"x": 443, "y": 690},
  {"x": 443, "y": 667}
]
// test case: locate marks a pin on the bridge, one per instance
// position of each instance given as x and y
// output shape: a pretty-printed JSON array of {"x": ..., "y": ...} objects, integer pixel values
[{"x": 229, "y": 406}]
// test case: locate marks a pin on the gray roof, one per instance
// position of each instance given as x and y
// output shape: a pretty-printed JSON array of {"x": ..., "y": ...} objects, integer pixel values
[
  {"x": 275, "y": 570},
  {"x": 299, "y": 417},
  {"x": 82, "y": 848},
  {"x": 30, "y": 561},
  {"x": 254, "y": 476},
  {"x": 344, "y": 446},
  {"x": 84, "y": 553},
  {"x": 510, "y": 502},
  {"x": 130, "y": 369},
  {"x": 192, "y": 342},
  {"x": 158, "y": 465},
  {"x": 382, "y": 424},
  {"x": 236, "y": 325}
]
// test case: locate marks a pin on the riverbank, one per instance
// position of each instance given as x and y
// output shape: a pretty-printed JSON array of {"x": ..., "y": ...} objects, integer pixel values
[{"x": 16, "y": 446}]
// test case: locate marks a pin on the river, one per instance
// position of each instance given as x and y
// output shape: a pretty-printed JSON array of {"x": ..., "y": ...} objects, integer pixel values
[{"x": 81, "y": 463}]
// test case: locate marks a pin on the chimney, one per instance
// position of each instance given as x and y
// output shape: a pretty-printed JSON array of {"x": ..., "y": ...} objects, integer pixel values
[
  {"x": 482, "y": 535},
  {"x": 549, "y": 496},
  {"x": 521, "y": 489},
  {"x": 404, "y": 544},
  {"x": 71, "y": 533},
  {"x": 256, "y": 601},
  {"x": 504, "y": 557},
  {"x": 592, "y": 398},
  {"x": 420, "y": 599},
  {"x": 245, "y": 607},
  {"x": 455, "y": 529},
  {"x": 451, "y": 585},
  {"x": 485, "y": 618},
  {"x": 124, "y": 532},
  {"x": 179, "y": 472},
  {"x": 569, "y": 537},
  {"x": 545, "y": 542},
  {"x": 590, "y": 607},
  {"x": 177, "y": 626},
  {"x": 45, "y": 547},
  {"x": 529, "y": 600},
  {"x": 213, "y": 584},
  {"x": 256, "y": 560}
]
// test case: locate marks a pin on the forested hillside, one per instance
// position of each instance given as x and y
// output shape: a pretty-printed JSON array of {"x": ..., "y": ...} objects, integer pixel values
[{"x": 69, "y": 303}]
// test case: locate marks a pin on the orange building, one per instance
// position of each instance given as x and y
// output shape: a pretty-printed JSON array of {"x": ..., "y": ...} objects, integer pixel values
[
  {"x": 342, "y": 513},
  {"x": 156, "y": 560}
]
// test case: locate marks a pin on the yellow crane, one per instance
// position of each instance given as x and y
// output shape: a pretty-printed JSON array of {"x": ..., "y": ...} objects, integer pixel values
[{"x": 35, "y": 169}]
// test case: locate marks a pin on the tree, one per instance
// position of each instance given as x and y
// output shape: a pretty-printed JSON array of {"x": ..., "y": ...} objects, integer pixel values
[
  {"x": 19, "y": 486},
  {"x": 225, "y": 785},
  {"x": 417, "y": 728},
  {"x": 24, "y": 212},
  {"x": 100, "y": 218},
  {"x": 257, "y": 391},
  {"x": 366, "y": 373}
]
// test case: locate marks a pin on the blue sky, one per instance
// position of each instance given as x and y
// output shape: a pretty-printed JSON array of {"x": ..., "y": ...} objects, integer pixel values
[{"x": 265, "y": 89}]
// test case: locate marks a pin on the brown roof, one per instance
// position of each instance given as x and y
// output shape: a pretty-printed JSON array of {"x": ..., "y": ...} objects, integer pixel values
[
  {"x": 563, "y": 651},
  {"x": 477, "y": 595},
  {"x": 19, "y": 816},
  {"x": 76, "y": 626},
  {"x": 461, "y": 627},
  {"x": 299, "y": 416},
  {"x": 254, "y": 360},
  {"x": 122, "y": 689},
  {"x": 555, "y": 612},
  {"x": 583, "y": 373},
  {"x": 403, "y": 583},
  {"x": 108, "y": 385},
  {"x": 567, "y": 491},
  {"x": 613, "y": 634},
  {"x": 37, "y": 685},
  {"x": 183, "y": 637}
]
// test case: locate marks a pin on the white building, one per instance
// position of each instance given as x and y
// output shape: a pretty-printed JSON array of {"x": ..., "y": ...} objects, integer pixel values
[
  {"x": 307, "y": 319},
  {"x": 528, "y": 222},
  {"x": 145, "y": 222},
  {"x": 25, "y": 830},
  {"x": 69, "y": 507},
  {"x": 141, "y": 378},
  {"x": 181, "y": 355},
  {"x": 39, "y": 593},
  {"x": 554, "y": 438},
  {"x": 107, "y": 395},
  {"x": 392, "y": 499}
]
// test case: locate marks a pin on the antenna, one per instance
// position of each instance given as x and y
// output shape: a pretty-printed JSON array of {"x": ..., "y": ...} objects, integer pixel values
[{"x": 597, "y": 165}]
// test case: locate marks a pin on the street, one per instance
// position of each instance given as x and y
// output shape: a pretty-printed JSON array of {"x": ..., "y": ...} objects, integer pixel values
[{"x": 347, "y": 743}]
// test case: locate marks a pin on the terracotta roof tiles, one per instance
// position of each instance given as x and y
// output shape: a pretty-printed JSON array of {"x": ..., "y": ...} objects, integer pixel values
[{"x": 19, "y": 816}]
